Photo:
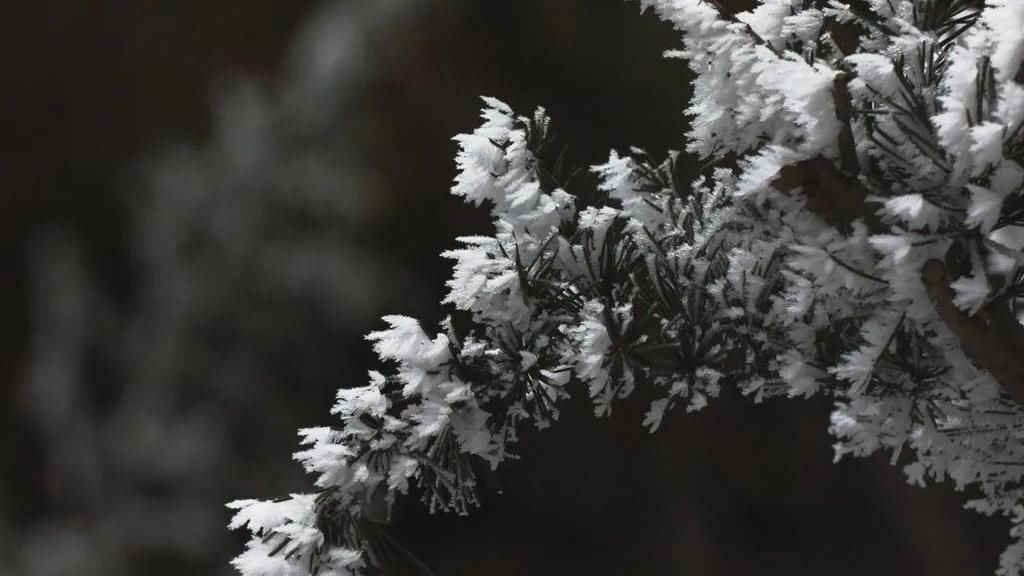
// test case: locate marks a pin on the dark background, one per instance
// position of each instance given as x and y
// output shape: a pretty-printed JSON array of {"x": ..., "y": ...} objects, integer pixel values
[{"x": 93, "y": 91}]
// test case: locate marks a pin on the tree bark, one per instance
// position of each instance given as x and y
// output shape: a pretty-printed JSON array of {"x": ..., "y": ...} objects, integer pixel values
[{"x": 992, "y": 338}]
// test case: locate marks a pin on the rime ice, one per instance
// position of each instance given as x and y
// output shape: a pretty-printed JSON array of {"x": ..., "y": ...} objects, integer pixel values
[{"x": 848, "y": 147}]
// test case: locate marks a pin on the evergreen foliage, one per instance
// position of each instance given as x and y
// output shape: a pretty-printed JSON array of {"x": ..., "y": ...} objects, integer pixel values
[{"x": 857, "y": 232}]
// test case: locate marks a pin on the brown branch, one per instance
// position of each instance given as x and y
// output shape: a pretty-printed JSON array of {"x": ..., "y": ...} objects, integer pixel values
[
  {"x": 843, "y": 104},
  {"x": 846, "y": 36},
  {"x": 834, "y": 193},
  {"x": 835, "y": 197},
  {"x": 992, "y": 338}
]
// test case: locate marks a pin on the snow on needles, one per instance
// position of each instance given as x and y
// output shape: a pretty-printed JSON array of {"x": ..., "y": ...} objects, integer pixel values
[{"x": 742, "y": 278}]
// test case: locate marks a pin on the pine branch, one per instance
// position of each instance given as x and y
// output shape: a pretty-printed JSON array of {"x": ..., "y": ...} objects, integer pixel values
[
  {"x": 649, "y": 281},
  {"x": 993, "y": 338}
]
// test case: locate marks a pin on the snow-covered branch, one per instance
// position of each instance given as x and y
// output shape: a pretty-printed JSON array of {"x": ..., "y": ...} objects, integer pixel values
[{"x": 860, "y": 237}]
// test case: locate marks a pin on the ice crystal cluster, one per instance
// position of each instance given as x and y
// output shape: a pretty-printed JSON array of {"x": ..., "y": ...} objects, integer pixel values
[{"x": 856, "y": 231}]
